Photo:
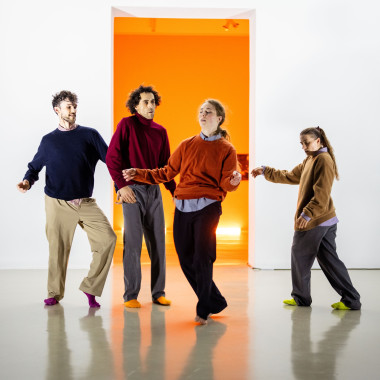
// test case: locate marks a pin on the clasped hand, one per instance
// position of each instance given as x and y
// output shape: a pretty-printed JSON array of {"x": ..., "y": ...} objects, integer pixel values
[
  {"x": 235, "y": 178},
  {"x": 129, "y": 174}
]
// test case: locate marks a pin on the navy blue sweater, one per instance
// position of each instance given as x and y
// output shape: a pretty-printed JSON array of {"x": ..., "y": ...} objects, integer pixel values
[{"x": 70, "y": 158}]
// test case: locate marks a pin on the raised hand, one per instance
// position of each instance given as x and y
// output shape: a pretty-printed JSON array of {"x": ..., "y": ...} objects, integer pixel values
[
  {"x": 23, "y": 186},
  {"x": 257, "y": 171}
]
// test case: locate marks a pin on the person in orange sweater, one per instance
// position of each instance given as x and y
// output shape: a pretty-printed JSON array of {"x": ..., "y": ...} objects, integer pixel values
[
  {"x": 315, "y": 221},
  {"x": 207, "y": 164}
]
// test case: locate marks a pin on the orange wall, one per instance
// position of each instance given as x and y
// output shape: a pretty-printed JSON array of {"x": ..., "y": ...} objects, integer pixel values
[{"x": 185, "y": 70}]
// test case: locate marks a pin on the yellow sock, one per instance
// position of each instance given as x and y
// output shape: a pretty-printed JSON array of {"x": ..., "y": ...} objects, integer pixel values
[
  {"x": 340, "y": 306},
  {"x": 290, "y": 302},
  {"x": 132, "y": 303},
  {"x": 162, "y": 301}
]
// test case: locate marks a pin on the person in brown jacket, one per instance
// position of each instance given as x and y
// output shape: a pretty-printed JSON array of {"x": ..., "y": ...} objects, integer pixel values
[
  {"x": 315, "y": 221},
  {"x": 207, "y": 164}
]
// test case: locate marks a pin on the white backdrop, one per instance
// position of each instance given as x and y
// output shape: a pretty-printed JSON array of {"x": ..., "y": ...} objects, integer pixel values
[{"x": 317, "y": 63}]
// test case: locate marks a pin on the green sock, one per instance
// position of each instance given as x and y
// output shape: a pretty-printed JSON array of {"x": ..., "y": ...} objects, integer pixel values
[
  {"x": 290, "y": 302},
  {"x": 340, "y": 306}
]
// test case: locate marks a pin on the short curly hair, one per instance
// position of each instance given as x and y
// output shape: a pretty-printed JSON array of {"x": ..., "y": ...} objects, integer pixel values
[
  {"x": 135, "y": 97},
  {"x": 63, "y": 95}
]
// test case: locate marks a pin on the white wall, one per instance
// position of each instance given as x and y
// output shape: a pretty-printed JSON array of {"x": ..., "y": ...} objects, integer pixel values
[
  {"x": 46, "y": 47},
  {"x": 316, "y": 63}
]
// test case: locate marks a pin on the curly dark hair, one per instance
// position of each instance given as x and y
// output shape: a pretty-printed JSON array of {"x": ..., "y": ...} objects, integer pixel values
[
  {"x": 135, "y": 97},
  {"x": 63, "y": 95}
]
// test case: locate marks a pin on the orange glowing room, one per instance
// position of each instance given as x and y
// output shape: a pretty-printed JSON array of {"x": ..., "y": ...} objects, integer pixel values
[{"x": 194, "y": 59}]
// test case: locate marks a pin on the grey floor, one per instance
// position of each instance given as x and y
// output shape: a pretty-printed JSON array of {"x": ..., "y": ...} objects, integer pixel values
[{"x": 256, "y": 337}]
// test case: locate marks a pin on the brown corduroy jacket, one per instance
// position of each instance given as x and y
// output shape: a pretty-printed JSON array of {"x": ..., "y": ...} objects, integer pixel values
[{"x": 315, "y": 176}]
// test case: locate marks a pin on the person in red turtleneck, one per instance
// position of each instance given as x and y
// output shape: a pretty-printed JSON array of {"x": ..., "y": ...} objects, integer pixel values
[{"x": 139, "y": 142}]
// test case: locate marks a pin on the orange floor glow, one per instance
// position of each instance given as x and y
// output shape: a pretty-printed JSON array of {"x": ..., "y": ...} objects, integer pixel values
[{"x": 157, "y": 342}]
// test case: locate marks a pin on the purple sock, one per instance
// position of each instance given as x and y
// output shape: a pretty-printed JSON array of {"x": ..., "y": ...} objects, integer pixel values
[
  {"x": 91, "y": 300},
  {"x": 50, "y": 301}
]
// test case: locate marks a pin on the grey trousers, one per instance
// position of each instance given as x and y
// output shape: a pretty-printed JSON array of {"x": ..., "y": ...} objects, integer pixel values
[
  {"x": 320, "y": 243},
  {"x": 146, "y": 216}
]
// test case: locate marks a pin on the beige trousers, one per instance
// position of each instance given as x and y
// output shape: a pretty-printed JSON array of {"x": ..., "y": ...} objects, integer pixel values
[{"x": 61, "y": 221}]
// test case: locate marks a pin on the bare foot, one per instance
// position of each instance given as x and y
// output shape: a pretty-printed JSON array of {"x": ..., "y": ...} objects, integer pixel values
[{"x": 200, "y": 320}]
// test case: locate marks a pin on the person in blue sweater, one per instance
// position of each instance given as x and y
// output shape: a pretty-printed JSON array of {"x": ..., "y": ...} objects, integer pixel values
[{"x": 70, "y": 154}]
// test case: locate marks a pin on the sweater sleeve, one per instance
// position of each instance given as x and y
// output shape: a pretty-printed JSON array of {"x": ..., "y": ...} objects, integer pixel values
[
  {"x": 100, "y": 145},
  {"x": 324, "y": 175},
  {"x": 161, "y": 175},
  {"x": 114, "y": 158},
  {"x": 164, "y": 157},
  {"x": 229, "y": 166},
  {"x": 36, "y": 165},
  {"x": 284, "y": 176}
]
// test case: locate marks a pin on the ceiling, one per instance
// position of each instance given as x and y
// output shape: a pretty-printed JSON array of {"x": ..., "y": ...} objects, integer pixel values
[{"x": 178, "y": 27}]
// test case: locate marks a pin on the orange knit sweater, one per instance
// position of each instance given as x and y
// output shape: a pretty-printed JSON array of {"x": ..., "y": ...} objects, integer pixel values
[{"x": 205, "y": 168}]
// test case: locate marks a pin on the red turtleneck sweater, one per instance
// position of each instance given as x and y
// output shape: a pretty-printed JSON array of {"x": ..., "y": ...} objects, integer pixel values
[{"x": 138, "y": 143}]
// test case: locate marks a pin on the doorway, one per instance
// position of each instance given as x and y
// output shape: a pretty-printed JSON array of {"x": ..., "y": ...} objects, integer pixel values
[{"x": 188, "y": 61}]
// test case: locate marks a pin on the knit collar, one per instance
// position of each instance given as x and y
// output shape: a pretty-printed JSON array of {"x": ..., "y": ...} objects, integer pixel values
[
  {"x": 144, "y": 121},
  {"x": 74, "y": 126}
]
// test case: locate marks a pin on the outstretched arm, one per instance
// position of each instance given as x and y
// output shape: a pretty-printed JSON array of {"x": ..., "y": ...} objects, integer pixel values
[
  {"x": 151, "y": 176},
  {"x": 156, "y": 176},
  {"x": 257, "y": 171},
  {"x": 34, "y": 168},
  {"x": 280, "y": 176}
]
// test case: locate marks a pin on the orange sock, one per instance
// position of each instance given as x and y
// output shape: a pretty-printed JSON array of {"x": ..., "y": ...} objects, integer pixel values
[{"x": 132, "y": 303}]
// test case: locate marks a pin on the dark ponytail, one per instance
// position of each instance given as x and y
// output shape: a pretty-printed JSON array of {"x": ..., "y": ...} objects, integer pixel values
[{"x": 319, "y": 133}]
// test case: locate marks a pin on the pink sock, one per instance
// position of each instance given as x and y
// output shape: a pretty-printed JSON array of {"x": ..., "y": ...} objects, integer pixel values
[
  {"x": 50, "y": 301},
  {"x": 91, "y": 300}
]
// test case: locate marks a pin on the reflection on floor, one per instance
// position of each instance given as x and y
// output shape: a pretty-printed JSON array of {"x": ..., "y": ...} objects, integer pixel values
[
  {"x": 232, "y": 250},
  {"x": 256, "y": 337}
]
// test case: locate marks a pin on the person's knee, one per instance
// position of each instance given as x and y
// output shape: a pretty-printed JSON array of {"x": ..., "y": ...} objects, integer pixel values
[
  {"x": 111, "y": 237},
  {"x": 106, "y": 238},
  {"x": 202, "y": 263}
]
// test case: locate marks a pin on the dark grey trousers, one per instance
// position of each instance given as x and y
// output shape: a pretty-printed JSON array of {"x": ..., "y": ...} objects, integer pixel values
[
  {"x": 320, "y": 243},
  {"x": 146, "y": 216}
]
